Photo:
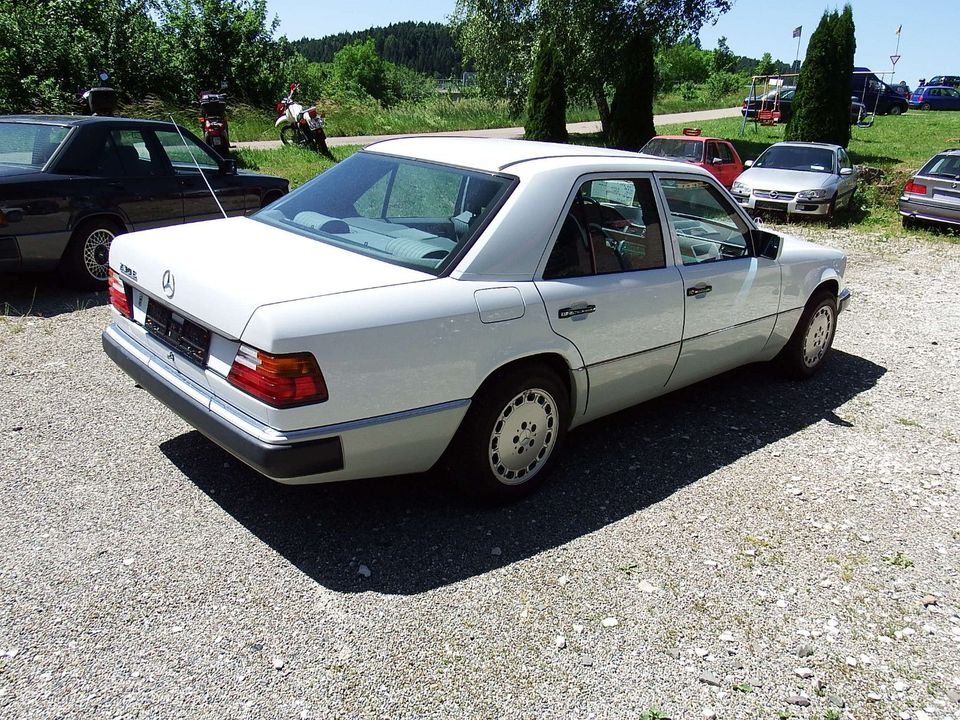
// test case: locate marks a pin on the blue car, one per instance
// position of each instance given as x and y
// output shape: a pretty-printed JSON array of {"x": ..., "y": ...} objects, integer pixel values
[{"x": 935, "y": 97}]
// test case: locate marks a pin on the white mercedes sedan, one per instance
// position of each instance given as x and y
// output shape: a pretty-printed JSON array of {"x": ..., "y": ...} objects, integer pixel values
[{"x": 459, "y": 301}]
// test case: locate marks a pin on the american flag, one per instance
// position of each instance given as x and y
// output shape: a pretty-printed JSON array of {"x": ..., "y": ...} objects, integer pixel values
[{"x": 796, "y": 30}]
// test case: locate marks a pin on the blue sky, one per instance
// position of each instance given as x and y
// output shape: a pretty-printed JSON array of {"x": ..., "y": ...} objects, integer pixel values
[{"x": 752, "y": 27}]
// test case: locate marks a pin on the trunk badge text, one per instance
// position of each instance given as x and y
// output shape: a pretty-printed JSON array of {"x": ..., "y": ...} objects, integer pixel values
[{"x": 169, "y": 284}]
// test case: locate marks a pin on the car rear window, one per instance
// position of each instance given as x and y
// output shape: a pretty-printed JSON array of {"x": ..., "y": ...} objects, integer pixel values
[
  {"x": 943, "y": 166},
  {"x": 406, "y": 212},
  {"x": 29, "y": 145}
]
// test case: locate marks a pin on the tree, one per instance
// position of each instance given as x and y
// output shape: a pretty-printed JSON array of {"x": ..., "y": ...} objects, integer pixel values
[
  {"x": 765, "y": 66},
  {"x": 723, "y": 59},
  {"x": 547, "y": 103},
  {"x": 821, "y": 106},
  {"x": 631, "y": 113},
  {"x": 594, "y": 37},
  {"x": 683, "y": 62},
  {"x": 358, "y": 67}
]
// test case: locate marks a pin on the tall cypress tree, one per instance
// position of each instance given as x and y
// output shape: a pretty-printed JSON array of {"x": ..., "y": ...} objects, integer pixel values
[
  {"x": 547, "y": 101},
  {"x": 846, "y": 49},
  {"x": 814, "y": 105}
]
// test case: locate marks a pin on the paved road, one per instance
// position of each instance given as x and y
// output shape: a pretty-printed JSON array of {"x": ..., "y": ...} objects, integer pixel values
[{"x": 511, "y": 132}]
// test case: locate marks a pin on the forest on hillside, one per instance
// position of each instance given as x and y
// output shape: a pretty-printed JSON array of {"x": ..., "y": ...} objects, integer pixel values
[{"x": 428, "y": 48}]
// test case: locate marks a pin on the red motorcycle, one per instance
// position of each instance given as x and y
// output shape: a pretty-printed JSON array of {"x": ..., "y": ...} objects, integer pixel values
[
  {"x": 301, "y": 126},
  {"x": 213, "y": 121}
]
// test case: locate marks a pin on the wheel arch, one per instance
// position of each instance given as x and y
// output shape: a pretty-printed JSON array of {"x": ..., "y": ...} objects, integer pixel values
[
  {"x": 555, "y": 363},
  {"x": 113, "y": 215}
]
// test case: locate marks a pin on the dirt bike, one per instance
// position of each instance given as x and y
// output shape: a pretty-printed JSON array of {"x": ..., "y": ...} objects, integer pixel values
[
  {"x": 213, "y": 120},
  {"x": 301, "y": 126}
]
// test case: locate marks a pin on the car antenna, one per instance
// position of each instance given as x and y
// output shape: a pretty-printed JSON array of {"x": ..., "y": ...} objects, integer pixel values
[{"x": 193, "y": 157}]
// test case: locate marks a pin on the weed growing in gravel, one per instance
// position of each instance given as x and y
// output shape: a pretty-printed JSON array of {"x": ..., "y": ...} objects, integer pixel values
[
  {"x": 743, "y": 687},
  {"x": 832, "y": 714},
  {"x": 907, "y": 422},
  {"x": 898, "y": 559}
]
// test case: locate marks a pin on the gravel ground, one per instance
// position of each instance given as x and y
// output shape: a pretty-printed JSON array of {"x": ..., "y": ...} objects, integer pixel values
[{"x": 748, "y": 547}]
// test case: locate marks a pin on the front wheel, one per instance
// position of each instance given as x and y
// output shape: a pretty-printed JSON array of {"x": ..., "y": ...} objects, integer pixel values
[
  {"x": 510, "y": 437},
  {"x": 84, "y": 264},
  {"x": 896, "y": 110},
  {"x": 289, "y": 135},
  {"x": 813, "y": 337}
]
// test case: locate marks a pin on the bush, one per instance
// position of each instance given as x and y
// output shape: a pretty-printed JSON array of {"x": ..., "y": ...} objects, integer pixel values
[
  {"x": 722, "y": 83},
  {"x": 547, "y": 102}
]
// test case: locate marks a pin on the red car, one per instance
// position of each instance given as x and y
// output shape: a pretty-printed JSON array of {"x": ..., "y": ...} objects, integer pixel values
[{"x": 713, "y": 154}]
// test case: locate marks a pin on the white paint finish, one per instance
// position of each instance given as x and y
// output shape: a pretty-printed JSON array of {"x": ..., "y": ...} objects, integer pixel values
[
  {"x": 225, "y": 269},
  {"x": 499, "y": 304}
]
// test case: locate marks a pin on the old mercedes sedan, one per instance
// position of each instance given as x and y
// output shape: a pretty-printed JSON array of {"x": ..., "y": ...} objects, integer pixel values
[
  {"x": 459, "y": 301},
  {"x": 70, "y": 184}
]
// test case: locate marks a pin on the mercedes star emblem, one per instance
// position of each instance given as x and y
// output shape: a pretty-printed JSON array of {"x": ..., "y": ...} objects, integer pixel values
[{"x": 169, "y": 284}]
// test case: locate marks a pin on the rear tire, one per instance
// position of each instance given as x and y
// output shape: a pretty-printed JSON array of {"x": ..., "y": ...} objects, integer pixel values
[
  {"x": 84, "y": 263},
  {"x": 925, "y": 106},
  {"x": 511, "y": 435},
  {"x": 812, "y": 339},
  {"x": 896, "y": 110}
]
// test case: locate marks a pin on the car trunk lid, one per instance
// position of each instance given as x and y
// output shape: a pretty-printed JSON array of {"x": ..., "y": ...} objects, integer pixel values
[{"x": 219, "y": 272}]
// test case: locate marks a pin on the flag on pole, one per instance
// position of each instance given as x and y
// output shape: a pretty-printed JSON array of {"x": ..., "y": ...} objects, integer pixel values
[
  {"x": 796, "y": 30},
  {"x": 899, "y": 28}
]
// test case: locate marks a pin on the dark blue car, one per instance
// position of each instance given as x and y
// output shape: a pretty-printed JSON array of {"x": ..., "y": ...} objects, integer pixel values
[{"x": 935, "y": 97}]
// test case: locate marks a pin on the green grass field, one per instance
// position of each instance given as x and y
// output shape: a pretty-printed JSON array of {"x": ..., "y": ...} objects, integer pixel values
[{"x": 895, "y": 147}]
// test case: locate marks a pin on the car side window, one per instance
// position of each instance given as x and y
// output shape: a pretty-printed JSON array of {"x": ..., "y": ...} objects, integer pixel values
[
  {"x": 126, "y": 153},
  {"x": 844, "y": 159},
  {"x": 183, "y": 152},
  {"x": 707, "y": 225},
  {"x": 612, "y": 226},
  {"x": 725, "y": 154}
]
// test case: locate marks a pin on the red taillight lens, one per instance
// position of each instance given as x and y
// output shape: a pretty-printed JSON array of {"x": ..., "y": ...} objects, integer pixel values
[
  {"x": 916, "y": 188},
  {"x": 278, "y": 380},
  {"x": 118, "y": 295},
  {"x": 312, "y": 112}
]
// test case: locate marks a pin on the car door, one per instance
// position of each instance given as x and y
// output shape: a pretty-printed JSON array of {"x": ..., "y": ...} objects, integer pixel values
[
  {"x": 136, "y": 179},
  {"x": 610, "y": 285},
  {"x": 185, "y": 154},
  {"x": 731, "y": 295},
  {"x": 951, "y": 99},
  {"x": 729, "y": 169},
  {"x": 847, "y": 184}
]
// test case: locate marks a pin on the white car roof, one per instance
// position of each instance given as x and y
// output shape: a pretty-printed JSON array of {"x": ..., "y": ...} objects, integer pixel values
[{"x": 496, "y": 154}]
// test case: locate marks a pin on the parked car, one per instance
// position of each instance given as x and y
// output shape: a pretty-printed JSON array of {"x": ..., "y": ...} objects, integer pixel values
[
  {"x": 717, "y": 156},
  {"x": 459, "y": 300},
  {"x": 878, "y": 97},
  {"x": 933, "y": 194},
  {"x": 799, "y": 178},
  {"x": 948, "y": 80},
  {"x": 935, "y": 97},
  {"x": 69, "y": 185},
  {"x": 779, "y": 103}
]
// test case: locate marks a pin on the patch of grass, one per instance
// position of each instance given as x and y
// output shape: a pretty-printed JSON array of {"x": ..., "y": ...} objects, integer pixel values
[
  {"x": 651, "y": 713},
  {"x": 832, "y": 714},
  {"x": 743, "y": 687},
  {"x": 294, "y": 163},
  {"x": 898, "y": 559}
]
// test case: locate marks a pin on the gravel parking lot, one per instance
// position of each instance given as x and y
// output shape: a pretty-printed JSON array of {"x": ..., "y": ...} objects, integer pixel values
[{"x": 746, "y": 548}]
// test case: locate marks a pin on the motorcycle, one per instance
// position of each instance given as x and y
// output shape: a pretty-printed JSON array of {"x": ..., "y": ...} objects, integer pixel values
[
  {"x": 213, "y": 120},
  {"x": 99, "y": 100},
  {"x": 301, "y": 126}
]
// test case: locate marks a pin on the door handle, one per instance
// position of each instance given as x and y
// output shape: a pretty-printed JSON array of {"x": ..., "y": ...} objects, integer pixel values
[
  {"x": 569, "y": 312},
  {"x": 699, "y": 290}
]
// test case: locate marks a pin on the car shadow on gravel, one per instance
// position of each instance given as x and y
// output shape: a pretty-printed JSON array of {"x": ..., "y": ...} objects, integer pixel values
[
  {"x": 414, "y": 534},
  {"x": 42, "y": 295}
]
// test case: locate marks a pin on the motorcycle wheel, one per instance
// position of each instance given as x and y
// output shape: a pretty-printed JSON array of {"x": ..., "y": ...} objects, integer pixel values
[
  {"x": 288, "y": 135},
  {"x": 320, "y": 144}
]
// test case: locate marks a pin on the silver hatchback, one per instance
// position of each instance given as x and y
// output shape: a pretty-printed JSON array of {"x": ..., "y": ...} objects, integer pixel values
[{"x": 933, "y": 194}]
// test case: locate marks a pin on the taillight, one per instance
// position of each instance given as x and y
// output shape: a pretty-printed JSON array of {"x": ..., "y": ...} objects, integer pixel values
[
  {"x": 118, "y": 294},
  {"x": 916, "y": 188},
  {"x": 278, "y": 380}
]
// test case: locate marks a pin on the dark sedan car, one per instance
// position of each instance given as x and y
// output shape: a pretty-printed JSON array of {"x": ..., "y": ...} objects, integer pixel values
[
  {"x": 68, "y": 185},
  {"x": 933, "y": 194}
]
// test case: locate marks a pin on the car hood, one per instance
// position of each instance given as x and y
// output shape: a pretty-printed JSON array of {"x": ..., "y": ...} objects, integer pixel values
[
  {"x": 223, "y": 270},
  {"x": 786, "y": 180}
]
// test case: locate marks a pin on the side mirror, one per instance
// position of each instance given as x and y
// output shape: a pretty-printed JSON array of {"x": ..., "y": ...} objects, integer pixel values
[
  {"x": 846, "y": 171},
  {"x": 748, "y": 163},
  {"x": 228, "y": 166},
  {"x": 765, "y": 243}
]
